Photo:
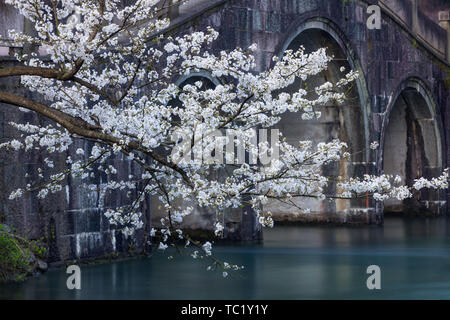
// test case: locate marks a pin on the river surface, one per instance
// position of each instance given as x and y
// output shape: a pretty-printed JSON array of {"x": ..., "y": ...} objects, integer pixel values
[{"x": 294, "y": 262}]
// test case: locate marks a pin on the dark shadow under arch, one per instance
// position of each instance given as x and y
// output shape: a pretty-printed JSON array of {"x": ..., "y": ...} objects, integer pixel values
[{"x": 412, "y": 146}]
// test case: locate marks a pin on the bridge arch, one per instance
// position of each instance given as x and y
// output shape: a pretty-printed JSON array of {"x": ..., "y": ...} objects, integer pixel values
[
  {"x": 412, "y": 145},
  {"x": 348, "y": 122},
  {"x": 237, "y": 226},
  {"x": 326, "y": 29},
  {"x": 201, "y": 218}
]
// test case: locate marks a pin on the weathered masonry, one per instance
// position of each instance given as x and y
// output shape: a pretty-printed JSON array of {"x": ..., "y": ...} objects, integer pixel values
[{"x": 402, "y": 100}]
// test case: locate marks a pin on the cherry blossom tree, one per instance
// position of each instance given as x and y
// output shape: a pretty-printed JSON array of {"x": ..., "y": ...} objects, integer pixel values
[{"x": 108, "y": 76}]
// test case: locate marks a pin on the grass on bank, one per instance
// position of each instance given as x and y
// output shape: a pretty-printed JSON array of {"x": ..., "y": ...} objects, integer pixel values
[{"x": 17, "y": 255}]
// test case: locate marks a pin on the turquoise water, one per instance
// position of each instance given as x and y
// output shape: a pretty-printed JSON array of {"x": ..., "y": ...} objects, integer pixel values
[{"x": 294, "y": 262}]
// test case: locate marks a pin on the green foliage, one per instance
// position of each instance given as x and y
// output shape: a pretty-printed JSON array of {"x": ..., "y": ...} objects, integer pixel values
[
  {"x": 17, "y": 255},
  {"x": 38, "y": 249},
  {"x": 447, "y": 79},
  {"x": 15, "y": 261}
]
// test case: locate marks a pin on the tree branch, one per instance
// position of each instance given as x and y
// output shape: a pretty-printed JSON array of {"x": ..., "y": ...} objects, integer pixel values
[
  {"x": 84, "y": 129},
  {"x": 29, "y": 71}
]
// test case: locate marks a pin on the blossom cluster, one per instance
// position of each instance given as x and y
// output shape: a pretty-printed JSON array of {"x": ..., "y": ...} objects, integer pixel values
[{"x": 109, "y": 77}]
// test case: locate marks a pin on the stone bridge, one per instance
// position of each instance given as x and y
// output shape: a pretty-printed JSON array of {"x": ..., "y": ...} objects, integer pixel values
[{"x": 401, "y": 100}]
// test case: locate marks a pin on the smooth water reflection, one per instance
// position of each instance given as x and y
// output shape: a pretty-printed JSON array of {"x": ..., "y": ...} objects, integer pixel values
[{"x": 303, "y": 262}]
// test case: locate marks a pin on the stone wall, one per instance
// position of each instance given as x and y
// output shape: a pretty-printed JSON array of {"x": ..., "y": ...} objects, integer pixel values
[
  {"x": 71, "y": 221},
  {"x": 432, "y": 7}
]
